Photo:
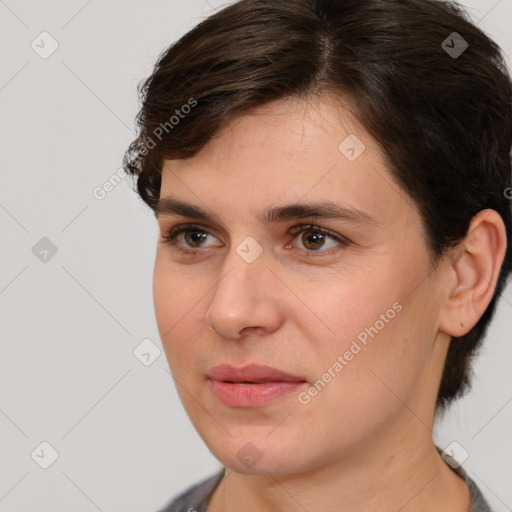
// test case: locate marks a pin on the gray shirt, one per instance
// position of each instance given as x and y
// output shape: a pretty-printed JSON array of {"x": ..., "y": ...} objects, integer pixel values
[{"x": 195, "y": 497}]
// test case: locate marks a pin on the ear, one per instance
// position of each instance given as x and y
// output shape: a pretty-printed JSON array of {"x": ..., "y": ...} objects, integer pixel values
[{"x": 475, "y": 267}]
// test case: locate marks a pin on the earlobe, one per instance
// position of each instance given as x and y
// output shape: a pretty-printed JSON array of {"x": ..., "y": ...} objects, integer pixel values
[{"x": 475, "y": 268}]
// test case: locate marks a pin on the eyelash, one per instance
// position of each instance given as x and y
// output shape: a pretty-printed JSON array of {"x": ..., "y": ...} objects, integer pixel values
[{"x": 169, "y": 239}]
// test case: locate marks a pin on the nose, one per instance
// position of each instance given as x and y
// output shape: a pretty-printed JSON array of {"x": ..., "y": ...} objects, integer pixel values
[{"x": 244, "y": 300}]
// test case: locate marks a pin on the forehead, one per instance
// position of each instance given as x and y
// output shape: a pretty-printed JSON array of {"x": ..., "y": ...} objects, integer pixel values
[
  {"x": 287, "y": 130},
  {"x": 287, "y": 151}
]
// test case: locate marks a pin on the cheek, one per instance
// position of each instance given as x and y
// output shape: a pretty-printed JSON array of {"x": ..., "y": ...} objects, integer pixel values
[
  {"x": 174, "y": 293},
  {"x": 164, "y": 300},
  {"x": 351, "y": 306},
  {"x": 376, "y": 329},
  {"x": 174, "y": 298},
  {"x": 360, "y": 386}
]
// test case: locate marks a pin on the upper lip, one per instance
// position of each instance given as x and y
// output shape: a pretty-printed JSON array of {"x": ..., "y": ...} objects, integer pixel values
[{"x": 251, "y": 373}]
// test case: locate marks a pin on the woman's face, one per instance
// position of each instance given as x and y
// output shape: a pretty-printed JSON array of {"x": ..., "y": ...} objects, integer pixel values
[{"x": 357, "y": 322}]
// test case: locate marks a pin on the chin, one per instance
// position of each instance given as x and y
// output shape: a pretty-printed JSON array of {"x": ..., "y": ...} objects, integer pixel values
[{"x": 257, "y": 455}]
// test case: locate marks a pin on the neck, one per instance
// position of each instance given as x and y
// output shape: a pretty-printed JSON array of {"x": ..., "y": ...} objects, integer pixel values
[{"x": 406, "y": 475}]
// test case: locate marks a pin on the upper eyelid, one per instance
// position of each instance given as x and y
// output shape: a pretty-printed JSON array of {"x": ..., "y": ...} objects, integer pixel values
[{"x": 200, "y": 227}]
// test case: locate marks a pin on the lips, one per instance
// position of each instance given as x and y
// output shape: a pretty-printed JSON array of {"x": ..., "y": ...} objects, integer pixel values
[
  {"x": 252, "y": 373},
  {"x": 252, "y": 386}
]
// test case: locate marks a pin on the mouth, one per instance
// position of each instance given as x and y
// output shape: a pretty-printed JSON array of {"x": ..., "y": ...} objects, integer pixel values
[
  {"x": 251, "y": 394},
  {"x": 249, "y": 382},
  {"x": 251, "y": 374},
  {"x": 251, "y": 386}
]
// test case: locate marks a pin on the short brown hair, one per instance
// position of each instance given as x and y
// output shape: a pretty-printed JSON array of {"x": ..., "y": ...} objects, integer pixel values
[{"x": 442, "y": 118}]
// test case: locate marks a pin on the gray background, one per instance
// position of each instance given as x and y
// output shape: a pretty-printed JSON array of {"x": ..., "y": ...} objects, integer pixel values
[{"x": 70, "y": 323}]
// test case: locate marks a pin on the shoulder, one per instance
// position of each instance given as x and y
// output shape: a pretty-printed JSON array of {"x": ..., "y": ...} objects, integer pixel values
[
  {"x": 478, "y": 503},
  {"x": 193, "y": 499}
]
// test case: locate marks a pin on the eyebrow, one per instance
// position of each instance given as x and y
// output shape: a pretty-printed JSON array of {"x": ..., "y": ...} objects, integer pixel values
[{"x": 322, "y": 210}]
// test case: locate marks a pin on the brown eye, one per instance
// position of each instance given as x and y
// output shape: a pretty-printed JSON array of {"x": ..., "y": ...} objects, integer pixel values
[
  {"x": 316, "y": 239},
  {"x": 187, "y": 238},
  {"x": 313, "y": 240},
  {"x": 194, "y": 238}
]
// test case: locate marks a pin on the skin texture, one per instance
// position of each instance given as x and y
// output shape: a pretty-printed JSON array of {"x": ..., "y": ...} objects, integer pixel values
[{"x": 364, "y": 442}]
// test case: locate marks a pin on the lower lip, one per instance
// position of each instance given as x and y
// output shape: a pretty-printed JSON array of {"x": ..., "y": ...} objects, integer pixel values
[{"x": 252, "y": 395}]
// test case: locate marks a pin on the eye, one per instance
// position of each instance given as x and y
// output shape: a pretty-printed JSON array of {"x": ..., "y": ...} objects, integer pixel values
[
  {"x": 186, "y": 237},
  {"x": 316, "y": 239},
  {"x": 190, "y": 237}
]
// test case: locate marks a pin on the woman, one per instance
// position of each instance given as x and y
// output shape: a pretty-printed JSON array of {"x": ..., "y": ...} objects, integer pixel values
[{"x": 330, "y": 183}]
